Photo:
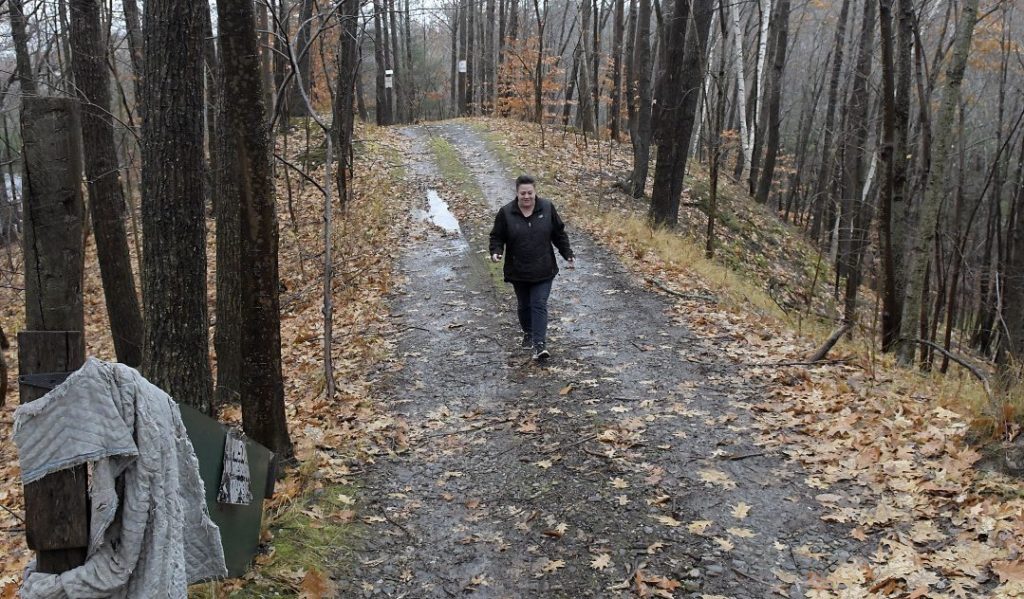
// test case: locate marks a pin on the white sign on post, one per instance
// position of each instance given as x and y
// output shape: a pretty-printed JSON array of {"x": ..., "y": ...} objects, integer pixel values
[
  {"x": 389, "y": 79},
  {"x": 462, "y": 66}
]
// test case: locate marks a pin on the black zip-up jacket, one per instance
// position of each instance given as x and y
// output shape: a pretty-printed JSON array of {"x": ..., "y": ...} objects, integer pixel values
[{"x": 527, "y": 242}]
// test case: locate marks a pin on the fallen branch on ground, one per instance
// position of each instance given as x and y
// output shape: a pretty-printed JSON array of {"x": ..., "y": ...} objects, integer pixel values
[
  {"x": 977, "y": 372},
  {"x": 831, "y": 341},
  {"x": 690, "y": 296}
]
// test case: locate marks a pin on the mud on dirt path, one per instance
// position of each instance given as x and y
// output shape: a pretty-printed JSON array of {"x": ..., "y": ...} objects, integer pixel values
[{"x": 626, "y": 465}]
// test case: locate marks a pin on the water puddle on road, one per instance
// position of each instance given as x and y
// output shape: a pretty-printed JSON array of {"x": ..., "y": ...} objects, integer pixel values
[{"x": 437, "y": 212}]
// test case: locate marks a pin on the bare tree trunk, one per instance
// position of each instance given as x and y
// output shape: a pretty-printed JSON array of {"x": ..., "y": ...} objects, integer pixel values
[
  {"x": 397, "y": 96},
  {"x": 132, "y": 22},
  {"x": 106, "y": 203},
  {"x": 487, "y": 101},
  {"x": 818, "y": 226},
  {"x": 538, "y": 85},
  {"x": 618, "y": 27},
  {"x": 175, "y": 351},
  {"x": 855, "y": 184},
  {"x": 630, "y": 74},
  {"x": 456, "y": 76},
  {"x": 780, "y": 27},
  {"x": 24, "y": 63},
  {"x": 745, "y": 156},
  {"x": 641, "y": 136},
  {"x": 247, "y": 170},
  {"x": 344, "y": 107},
  {"x": 717, "y": 122},
  {"x": 676, "y": 104},
  {"x": 470, "y": 39},
  {"x": 383, "y": 108},
  {"x": 582, "y": 57},
  {"x": 929, "y": 209},
  {"x": 301, "y": 80},
  {"x": 890, "y": 303},
  {"x": 463, "y": 95},
  {"x": 411, "y": 103}
]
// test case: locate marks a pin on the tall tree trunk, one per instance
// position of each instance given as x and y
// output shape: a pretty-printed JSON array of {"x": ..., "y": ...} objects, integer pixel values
[
  {"x": 389, "y": 92},
  {"x": 175, "y": 352},
  {"x": 894, "y": 274},
  {"x": 411, "y": 103},
  {"x": 267, "y": 58},
  {"x": 301, "y": 80},
  {"x": 630, "y": 74},
  {"x": 538, "y": 72},
  {"x": 890, "y": 302},
  {"x": 818, "y": 224},
  {"x": 641, "y": 136},
  {"x": 383, "y": 109},
  {"x": 618, "y": 28},
  {"x": 582, "y": 58},
  {"x": 398, "y": 92},
  {"x": 19, "y": 25},
  {"x": 455, "y": 75},
  {"x": 106, "y": 203},
  {"x": 745, "y": 156},
  {"x": 251, "y": 186},
  {"x": 1011, "y": 356},
  {"x": 132, "y": 22},
  {"x": 717, "y": 122},
  {"x": 676, "y": 104},
  {"x": 463, "y": 96},
  {"x": 780, "y": 25},
  {"x": 513, "y": 21},
  {"x": 856, "y": 197},
  {"x": 930, "y": 205},
  {"x": 344, "y": 106},
  {"x": 470, "y": 39},
  {"x": 487, "y": 101}
]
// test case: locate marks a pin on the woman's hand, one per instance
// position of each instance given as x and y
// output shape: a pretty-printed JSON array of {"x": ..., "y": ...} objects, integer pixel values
[{"x": 495, "y": 257}]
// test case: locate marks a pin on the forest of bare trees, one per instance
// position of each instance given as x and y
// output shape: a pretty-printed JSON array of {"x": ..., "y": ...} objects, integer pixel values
[{"x": 888, "y": 132}]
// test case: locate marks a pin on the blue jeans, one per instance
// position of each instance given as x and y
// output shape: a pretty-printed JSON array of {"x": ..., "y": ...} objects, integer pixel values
[{"x": 533, "y": 308}]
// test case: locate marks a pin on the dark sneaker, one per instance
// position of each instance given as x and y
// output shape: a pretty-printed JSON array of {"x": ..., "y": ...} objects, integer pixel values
[
  {"x": 540, "y": 353},
  {"x": 527, "y": 341}
]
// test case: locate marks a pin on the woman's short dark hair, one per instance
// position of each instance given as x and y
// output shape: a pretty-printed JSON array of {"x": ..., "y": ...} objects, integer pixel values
[{"x": 524, "y": 180}]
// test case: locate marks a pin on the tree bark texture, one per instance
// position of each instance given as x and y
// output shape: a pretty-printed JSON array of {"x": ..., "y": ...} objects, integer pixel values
[
  {"x": 821, "y": 194},
  {"x": 582, "y": 58},
  {"x": 618, "y": 27},
  {"x": 641, "y": 136},
  {"x": 247, "y": 169},
  {"x": 106, "y": 204},
  {"x": 344, "y": 108},
  {"x": 676, "y": 104},
  {"x": 19, "y": 31},
  {"x": 470, "y": 43},
  {"x": 780, "y": 33},
  {"x": 175, "y": 353},
  {"x": 301, "y": 80},
  {"x": 857, "y": 207},
  {"x": 924, "y": 238},
  {"x": 132, "y": 22},
  {"x": 885, "y": 201},
  {"x": 383, "y": 109}
]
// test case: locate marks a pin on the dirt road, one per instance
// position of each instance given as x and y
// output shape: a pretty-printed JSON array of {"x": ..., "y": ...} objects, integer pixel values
[{"x": 625, "y": 465}]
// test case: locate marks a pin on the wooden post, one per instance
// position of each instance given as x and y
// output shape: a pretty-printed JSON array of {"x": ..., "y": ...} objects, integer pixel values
[{"x": 56, "y": 507}]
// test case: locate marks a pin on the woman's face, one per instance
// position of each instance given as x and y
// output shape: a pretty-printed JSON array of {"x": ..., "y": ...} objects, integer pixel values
[{"x": 526, "y": 196}]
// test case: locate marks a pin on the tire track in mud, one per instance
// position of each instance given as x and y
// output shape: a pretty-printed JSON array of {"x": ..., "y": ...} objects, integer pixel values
[{"x": 634, "y": 445}]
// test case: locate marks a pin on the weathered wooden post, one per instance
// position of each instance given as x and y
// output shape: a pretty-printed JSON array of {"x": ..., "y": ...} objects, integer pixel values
[{"x": 56, "y": 507}]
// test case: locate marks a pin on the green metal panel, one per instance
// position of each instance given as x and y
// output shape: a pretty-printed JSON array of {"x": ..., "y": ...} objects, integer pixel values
[{"x": 239, "y": 524}]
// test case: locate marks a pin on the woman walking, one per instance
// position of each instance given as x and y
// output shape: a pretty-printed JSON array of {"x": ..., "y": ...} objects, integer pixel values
[{"x": 524, "y": 232}]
